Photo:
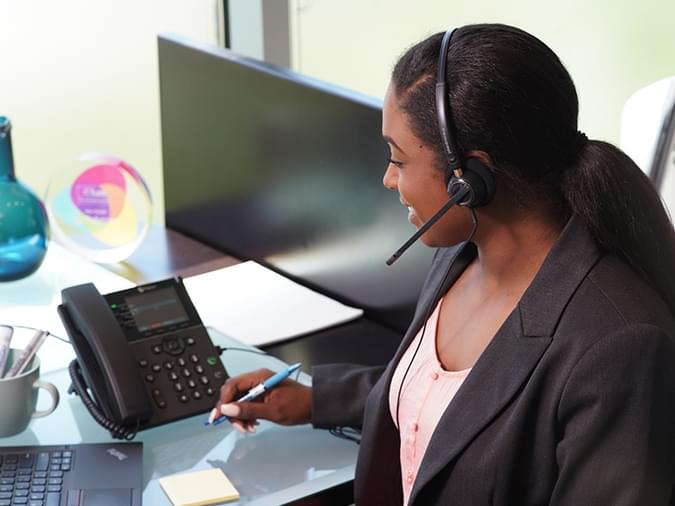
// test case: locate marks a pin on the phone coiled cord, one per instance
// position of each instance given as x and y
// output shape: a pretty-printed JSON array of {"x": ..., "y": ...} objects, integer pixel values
[{"x": 78, "y": 387}]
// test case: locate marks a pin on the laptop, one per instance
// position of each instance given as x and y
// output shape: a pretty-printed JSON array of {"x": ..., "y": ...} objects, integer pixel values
[{"x": 85, "y": 474}]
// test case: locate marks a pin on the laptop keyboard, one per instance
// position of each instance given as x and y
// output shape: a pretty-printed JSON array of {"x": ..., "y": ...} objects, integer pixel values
[{"x": 33, "y": 479}]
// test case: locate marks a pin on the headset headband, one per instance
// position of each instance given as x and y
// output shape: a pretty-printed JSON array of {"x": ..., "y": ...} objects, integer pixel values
[{"x": 443, "y": 109}]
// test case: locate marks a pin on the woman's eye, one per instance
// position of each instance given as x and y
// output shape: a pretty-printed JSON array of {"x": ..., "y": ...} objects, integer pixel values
[{"x": 395, "y": 162}]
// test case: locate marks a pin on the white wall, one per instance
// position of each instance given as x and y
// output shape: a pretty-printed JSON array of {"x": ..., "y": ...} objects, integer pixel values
[
  {"x": 611, "y": 47},
  {"x": 81, "y": 75}
]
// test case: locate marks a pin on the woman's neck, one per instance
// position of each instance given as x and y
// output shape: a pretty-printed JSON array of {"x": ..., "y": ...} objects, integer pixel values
[{"x": 511, "y": 253}]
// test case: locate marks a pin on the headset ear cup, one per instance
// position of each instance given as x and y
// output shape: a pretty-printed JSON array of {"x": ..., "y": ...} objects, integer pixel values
[{"x": 481, "y": 180}]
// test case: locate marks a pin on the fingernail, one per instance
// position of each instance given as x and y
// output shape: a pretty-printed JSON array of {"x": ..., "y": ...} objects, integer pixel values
[
  {"x": 251, "y": 428},
  {"x": 239, "y": 426},
  {"x": 230, "y": 410},
  {"x": 212, "y": 415}
]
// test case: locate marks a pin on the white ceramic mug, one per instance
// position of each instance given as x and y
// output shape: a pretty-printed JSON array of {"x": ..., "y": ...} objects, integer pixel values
[{"x": 18, "y": 397}]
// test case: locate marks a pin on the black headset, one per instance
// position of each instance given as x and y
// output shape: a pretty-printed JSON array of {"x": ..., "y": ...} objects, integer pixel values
[
  {"x": 469, "y": 181},
  {"x": 462, "y": 173},
  {"x": 472, "y": 185}
]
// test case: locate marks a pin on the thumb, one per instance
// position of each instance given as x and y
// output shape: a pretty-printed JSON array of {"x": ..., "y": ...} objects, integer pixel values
[{"x": 244, "y": 410}]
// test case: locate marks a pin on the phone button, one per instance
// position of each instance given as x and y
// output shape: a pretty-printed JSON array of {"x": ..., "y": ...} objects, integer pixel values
[
  {"x": 183, "y": 398},
  {"x": 149, "y": 378},
  {"x": 173, "y": 346},
  {"x": 157, "y": 349},
  {"x": 143, "y": 363}
]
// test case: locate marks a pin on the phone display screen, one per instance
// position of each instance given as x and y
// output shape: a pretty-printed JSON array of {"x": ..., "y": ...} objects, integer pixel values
[{"x": 156, "y": 309}]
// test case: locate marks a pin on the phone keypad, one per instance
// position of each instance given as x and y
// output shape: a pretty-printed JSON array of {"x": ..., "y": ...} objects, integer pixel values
[{"x": 177, "y": 373}]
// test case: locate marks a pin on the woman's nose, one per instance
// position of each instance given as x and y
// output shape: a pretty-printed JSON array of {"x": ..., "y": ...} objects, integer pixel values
[{"x": 390, "y": 178}]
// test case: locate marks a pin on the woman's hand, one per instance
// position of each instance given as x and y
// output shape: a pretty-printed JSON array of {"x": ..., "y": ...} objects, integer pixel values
[{"x": 288, "y": 403}]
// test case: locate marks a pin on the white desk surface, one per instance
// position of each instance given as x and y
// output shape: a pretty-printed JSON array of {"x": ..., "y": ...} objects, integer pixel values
[{"x": 32, "y": 301}]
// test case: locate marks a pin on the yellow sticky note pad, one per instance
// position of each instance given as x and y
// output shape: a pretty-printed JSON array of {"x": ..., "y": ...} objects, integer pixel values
[{"x": 201, "y": 487}]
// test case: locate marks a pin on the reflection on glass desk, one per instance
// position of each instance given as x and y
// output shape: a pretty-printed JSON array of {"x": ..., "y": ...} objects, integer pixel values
[{"x": 274, "y": 466}]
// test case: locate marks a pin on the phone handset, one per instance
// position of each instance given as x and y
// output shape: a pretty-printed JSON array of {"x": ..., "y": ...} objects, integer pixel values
[{"x": 104, "y": 360}]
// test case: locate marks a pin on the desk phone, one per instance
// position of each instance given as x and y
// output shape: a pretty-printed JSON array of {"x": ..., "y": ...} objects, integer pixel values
[{"x": 143, "y": 353}]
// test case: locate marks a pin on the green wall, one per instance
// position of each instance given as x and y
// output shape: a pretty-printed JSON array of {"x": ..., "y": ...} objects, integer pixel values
[{"x": 611, "y": 48}]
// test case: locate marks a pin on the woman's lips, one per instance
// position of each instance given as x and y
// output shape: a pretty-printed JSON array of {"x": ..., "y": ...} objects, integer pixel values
[{"x": 411, "y": 213}]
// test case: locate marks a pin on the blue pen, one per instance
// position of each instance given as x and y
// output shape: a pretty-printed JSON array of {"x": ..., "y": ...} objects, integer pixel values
[{"x": 263, "y": 387}]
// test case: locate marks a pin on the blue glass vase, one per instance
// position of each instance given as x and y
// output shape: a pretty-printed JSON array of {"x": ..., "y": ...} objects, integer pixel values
[{"x": 23, "y": 221}]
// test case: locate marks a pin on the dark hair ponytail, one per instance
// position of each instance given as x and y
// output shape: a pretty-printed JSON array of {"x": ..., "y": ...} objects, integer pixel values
[
  {"x": 511, "y": 97},
  {"x": 623, "y": 211}
]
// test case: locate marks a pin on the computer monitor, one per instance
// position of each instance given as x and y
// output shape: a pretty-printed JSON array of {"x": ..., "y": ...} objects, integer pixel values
[{"x": 266, "y": 164}]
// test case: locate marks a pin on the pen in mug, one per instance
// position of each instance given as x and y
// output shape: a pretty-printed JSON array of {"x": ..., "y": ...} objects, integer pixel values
[
  {"x": 27, "y": 355},
  {"x": 261, "y": 388},
  {"x": 6, "y": 333}
]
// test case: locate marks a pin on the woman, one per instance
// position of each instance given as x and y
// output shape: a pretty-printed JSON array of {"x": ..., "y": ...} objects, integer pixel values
[{"x": 540, "y": 365}]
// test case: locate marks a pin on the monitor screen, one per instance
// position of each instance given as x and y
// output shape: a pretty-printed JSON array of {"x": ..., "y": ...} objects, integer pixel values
[{"x": 269, "y": 165}]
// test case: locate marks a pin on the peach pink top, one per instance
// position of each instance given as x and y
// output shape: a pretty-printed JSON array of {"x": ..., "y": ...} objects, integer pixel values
[{"x": 427, "y": 391}]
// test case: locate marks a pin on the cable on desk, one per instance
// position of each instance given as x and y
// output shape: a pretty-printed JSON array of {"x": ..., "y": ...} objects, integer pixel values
[
  {"x": 349, "y": 433},
  {"x": 60, "y": 338},
  {"x": 222, "y": 350},
  {"x": 48, "y": 333}
]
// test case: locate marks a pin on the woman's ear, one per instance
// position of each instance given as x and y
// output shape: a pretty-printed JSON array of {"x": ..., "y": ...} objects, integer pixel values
[
  {"x": 483, "y": 157},
  {"x": 478, "y": 177}
]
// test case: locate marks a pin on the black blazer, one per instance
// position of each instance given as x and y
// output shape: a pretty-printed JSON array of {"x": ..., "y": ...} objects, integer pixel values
[{"x": 572, "y": 402}]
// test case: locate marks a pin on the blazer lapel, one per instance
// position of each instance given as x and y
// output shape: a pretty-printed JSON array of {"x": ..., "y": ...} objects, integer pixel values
[{"x": 513, "y": 353}]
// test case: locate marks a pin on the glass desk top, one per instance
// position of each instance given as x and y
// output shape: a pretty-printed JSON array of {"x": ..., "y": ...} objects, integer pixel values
[{"x": 273, "y": 466}]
